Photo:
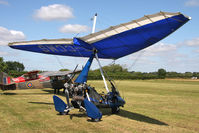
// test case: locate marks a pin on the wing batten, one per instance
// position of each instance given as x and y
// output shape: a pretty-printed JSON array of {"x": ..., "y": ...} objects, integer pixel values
[{"x": 92, "y": 38}]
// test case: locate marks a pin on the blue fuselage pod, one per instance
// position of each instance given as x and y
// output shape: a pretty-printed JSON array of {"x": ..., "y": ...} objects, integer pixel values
[{"x": 115, "y": 100}]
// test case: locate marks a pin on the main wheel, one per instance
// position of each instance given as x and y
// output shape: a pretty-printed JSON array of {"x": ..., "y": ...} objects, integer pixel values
[
  {"x": 64, "y": 113},
  {"x": 115, "y": 110},
  {"x": 95, "y": 120}
]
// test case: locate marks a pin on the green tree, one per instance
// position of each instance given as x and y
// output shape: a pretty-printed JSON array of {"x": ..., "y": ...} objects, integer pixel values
[
  {"x": 15, "y": 66},
  {"x": 3, "y": 65},
  {"x": 114, "y": 68},
  {"x": 172, "y": 75},
  {"x": 16, "y": 73},
  {"x": 162, "y": 73},
  {"x": 188, "y": 74},
  {"x": 137, "y": 75},
  {"x": 64, "y": 69},
  {"x": 196, "y": 74}
]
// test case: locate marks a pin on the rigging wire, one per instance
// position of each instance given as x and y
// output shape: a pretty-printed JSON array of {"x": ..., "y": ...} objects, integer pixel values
[
  {"x": 136, "y": 59},
  {"x": 139, "y": 55},
  {"x": 60, "y": 63}
]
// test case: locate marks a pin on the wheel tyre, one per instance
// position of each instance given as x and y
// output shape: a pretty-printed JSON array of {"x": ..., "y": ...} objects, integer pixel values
[
  {"x": 95, "y": 120},
  {"x": 61, "y": 113},
  {"x": 115, "y": 110},
  {"x": 66, "y": 113}
]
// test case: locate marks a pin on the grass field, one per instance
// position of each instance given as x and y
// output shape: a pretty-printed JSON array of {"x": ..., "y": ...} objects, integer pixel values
[{"x": 151, "y": 106}]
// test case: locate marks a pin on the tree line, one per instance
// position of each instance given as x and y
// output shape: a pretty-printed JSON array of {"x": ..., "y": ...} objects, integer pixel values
[{"x": 114, "y": 71}]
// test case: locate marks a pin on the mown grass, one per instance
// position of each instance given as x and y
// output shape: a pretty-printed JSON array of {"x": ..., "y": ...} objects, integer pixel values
[{"x": 151, "y": 106}]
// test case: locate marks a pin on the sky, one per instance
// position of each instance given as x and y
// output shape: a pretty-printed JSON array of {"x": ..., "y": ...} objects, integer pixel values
[{"x": 52, "y": 19}]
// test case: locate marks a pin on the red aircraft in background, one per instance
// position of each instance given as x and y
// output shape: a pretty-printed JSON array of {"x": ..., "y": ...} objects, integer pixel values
[
  {"x": 34, "y": 79},
  {"x": 33, "y": 75}
]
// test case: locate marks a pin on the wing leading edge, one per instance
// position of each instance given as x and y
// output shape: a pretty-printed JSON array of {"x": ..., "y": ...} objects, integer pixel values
[{"x": 114, "y": 42}]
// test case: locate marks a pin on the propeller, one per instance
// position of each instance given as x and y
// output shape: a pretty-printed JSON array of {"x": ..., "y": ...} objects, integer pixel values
[{"x": 73, "y": 73}]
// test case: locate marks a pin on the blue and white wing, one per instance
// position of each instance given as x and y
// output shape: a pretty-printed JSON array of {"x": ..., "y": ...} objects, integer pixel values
[{"x": 114, "y": 42}]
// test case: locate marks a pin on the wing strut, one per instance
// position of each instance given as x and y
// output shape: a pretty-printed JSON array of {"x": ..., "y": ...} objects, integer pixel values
[{"x": 101, "y": 71}]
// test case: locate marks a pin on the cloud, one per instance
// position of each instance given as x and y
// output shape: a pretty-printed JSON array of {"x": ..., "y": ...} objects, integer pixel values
[
  {"x": 54, "y": 12},
  {"x": 74, "y": 28},
  {"x": 155, "y": 52},
  {"x": 2, "y": 2},
  {"x": 160, "y": 55},
  {"x": 7, "y": 36},
  {"x": 160, "y": 49},
  {"x": 193, "y": 42},
  {"x": 3, "y": 53},
  {"x": 192, "y": 3}
]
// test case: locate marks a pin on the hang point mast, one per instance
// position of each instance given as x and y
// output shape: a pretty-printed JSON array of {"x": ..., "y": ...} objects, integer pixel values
[{"x": 94, "y": 23}]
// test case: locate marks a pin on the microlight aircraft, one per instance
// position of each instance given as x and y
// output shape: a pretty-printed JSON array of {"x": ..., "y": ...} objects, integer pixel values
[{"x": 112, "y": 43}]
